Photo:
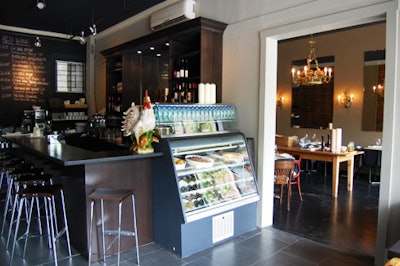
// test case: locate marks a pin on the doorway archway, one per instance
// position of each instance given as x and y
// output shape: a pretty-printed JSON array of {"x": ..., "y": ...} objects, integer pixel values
[{"x": 268, "y": 79}]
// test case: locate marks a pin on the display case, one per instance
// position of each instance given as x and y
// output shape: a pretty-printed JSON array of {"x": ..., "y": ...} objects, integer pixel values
[{"x": 204, "y": 191}]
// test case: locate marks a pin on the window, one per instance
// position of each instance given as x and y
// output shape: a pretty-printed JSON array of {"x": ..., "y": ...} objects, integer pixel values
[{"x": 70, "y": 76}]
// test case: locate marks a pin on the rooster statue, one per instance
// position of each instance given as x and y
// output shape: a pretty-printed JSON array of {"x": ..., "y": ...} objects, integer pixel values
[{"x": 140, "y": 126}]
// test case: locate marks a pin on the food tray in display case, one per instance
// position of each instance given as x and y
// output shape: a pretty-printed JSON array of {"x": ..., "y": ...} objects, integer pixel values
[{"x": 220, "y": 178}]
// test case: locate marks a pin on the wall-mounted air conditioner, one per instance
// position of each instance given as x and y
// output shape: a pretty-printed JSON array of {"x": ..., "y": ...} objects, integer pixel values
[{"x": 174, "y": 14}]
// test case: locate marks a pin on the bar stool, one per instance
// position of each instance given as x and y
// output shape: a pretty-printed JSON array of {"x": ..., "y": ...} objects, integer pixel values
[
  {"x": 105, "y": 194},
  {"x": 23, "y": 182},
  {"x": 47, "y": 192},
  {"x": 16, "y": 171}
]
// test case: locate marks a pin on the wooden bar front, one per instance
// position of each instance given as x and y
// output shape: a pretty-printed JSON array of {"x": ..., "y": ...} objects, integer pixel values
[{"x": 82, "y": 171}]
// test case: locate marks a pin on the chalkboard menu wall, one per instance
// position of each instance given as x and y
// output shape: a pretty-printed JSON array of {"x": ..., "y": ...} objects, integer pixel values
[{"x": 27, "y": 73}]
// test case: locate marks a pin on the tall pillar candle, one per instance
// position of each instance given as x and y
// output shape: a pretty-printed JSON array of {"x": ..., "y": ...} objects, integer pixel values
[
  {"x": 338, "y": 139},
  {"x": 333, "y": 144},
  {"x": 201, "y": 91},
  {"x": 213, "y": 93},
  {"x": 207, "y": 96}
]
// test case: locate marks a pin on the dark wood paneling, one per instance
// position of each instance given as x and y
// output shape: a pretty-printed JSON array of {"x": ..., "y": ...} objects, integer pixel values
[{"x": 312, "y": 106}]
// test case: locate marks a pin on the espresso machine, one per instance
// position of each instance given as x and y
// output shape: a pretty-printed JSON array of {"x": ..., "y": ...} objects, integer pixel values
[
  {"x": 28, "y": 121},
  {"x": 40, "y": 120}
]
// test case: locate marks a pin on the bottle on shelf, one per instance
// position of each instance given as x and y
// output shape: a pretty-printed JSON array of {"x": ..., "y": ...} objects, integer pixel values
[
  {"x": 186, "y": 69},
  {"x": 184, "y": 93},
  {"x": 182, "y": 68},
  {"x": 328, "y": 143}
]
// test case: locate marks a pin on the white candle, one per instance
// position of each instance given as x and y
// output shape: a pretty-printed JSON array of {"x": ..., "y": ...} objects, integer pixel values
[
  {"x": 333, "y": 144},
  {"x": 201, "y": 93},
  {"x": 338, "y": 139},
  {"x": 213, "y": 93},
  {"x": 207, "y": 93}
]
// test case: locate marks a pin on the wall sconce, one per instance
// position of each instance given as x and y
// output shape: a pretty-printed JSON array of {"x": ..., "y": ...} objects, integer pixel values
[
  {"x": 345, "y": 99},
  {"x": 279, "y": 101}
]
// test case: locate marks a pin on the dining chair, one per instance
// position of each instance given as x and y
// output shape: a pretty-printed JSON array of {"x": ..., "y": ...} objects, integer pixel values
[
  {"x": 283, "y": 176},
  {"x": 296, "y": 176}
]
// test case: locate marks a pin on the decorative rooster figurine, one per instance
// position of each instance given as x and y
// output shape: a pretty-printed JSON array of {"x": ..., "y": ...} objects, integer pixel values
[{"x": 140, "y": 129}]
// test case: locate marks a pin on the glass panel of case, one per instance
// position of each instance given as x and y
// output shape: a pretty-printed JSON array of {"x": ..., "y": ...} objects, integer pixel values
[{"x": 210, "y": 178}]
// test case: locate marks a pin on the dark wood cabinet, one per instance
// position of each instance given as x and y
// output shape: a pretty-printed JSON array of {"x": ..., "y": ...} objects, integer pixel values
[{"x": 151, "y": 63}]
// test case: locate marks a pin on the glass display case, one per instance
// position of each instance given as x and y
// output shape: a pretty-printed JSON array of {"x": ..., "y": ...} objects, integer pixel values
[
  {"x": 213, "y": 175},
  {"x": 200, "y": 179}
]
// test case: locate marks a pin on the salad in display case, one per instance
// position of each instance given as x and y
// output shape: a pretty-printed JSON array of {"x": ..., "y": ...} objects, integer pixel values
[{"x": 212, "y": 174}]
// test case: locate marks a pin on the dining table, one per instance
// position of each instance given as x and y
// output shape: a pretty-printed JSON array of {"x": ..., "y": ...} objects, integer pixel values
[{"x": 328, "y": 156}]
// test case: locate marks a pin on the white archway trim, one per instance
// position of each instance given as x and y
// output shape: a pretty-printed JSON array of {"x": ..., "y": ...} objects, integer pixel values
[{"x": 268, "y": 68}]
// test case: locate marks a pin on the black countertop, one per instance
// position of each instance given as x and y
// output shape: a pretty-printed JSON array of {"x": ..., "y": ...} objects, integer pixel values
[{"x": 68, "y": 155}]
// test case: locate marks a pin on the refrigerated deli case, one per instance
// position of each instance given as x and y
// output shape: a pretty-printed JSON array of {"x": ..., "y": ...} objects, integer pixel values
[{"x": 204, "y": 191}]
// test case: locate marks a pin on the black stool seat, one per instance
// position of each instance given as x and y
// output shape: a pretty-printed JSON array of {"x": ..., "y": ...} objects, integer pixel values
[
  {"x": 111, "y": 194},
  {"x": 40, "y": 191}
]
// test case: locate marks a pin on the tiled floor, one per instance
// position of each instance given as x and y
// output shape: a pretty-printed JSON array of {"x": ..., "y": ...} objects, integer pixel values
[{"x": 343, "y": 238}]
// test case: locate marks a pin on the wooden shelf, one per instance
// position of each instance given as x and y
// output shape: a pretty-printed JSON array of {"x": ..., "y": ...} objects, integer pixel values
[{"x": 76, "y": 106}]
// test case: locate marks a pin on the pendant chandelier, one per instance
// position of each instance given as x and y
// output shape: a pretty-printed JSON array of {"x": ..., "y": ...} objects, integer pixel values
[{"x": 311, "y": 74}]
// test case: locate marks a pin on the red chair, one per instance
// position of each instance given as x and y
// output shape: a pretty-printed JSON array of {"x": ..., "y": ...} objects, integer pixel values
[{"x": 296, "y": 176}]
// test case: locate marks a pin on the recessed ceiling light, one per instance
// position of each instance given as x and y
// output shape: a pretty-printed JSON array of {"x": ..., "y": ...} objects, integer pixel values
[
  {"x": 151, "y": 48},
  {"x": 158, "y": 55},
  {"x": 139, "y": 52}
]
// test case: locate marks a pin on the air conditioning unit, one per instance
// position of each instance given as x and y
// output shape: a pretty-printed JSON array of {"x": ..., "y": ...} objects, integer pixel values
[{"x": 174, "y": 14}]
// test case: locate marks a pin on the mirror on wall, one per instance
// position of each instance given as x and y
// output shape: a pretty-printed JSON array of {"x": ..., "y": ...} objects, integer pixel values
[
  {"x": 374, "y": 90},
  {"x": 312, "y": 105}
]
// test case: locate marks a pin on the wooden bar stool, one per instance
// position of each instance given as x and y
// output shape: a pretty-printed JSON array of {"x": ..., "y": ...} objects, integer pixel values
[
  {"x": 47, "y": 192},
  {"x": 105, "y": 194}
]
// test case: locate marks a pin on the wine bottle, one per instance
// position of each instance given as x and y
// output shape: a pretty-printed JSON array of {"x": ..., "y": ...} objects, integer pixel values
[
  {"x": 179, "y": 100},
  {"x": 184, "y": 92},
  {"x": 182, "y": 69},
  {"x": 189, "y": 98},
  {"x": 186, "y": 68},
  {"x": 322, "y": 143},
  {"x": 328, "y": 143}
]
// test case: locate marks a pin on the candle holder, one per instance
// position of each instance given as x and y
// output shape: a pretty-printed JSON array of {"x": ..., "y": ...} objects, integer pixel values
[{"x": 345, "y": 99}]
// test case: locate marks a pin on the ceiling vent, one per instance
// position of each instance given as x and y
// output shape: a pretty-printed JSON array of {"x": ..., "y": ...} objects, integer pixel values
[{"x": 172, "y": 15}]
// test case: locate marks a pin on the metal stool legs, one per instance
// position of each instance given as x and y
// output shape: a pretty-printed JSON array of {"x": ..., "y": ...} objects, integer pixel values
[
  {"x": 120, "y": 195},
  {"x": 48, "y": 193}
]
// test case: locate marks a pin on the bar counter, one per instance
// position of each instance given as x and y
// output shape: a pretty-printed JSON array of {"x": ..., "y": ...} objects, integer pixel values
[{"x": 81, "y": 171}]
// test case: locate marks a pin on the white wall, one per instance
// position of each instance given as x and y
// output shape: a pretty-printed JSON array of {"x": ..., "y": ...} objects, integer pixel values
[{"x": 247, "y": 81}]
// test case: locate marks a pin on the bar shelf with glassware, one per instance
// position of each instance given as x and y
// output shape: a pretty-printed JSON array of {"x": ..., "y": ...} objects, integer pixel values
[{"x": 195, "y": 119}]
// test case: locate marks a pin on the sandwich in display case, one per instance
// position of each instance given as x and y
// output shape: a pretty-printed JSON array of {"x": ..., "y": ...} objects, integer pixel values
[{"x": 204, "y": 188}]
